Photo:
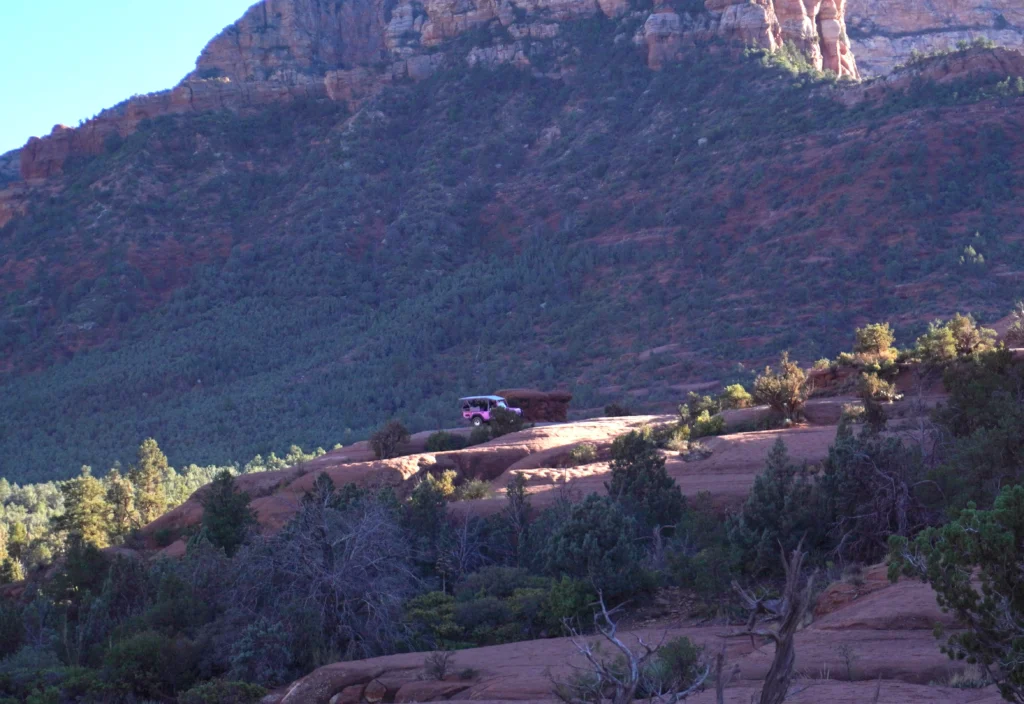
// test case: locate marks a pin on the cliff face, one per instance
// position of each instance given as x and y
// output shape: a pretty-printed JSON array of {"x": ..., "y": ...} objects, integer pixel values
[
  {"x": 282, "y": 49},
  {"x": 884, "y": 33}
]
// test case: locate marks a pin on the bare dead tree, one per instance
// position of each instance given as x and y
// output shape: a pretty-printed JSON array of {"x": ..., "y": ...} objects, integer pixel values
[
  {"x": 346, "y": 571},
  {"x": 791, "y": 609},
  {"x": 619, "y": 680},
  {"x": 517, "y": 516},
  {"x": 460, "y": 552}
]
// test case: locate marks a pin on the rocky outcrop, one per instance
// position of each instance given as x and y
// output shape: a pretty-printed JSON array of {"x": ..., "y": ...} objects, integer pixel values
[
  {"x": 816, "y": 27},
  {"x": 284, "y": 49},
  {"x": 886, "y": 33},
  {"x": 539, "y": 406}
]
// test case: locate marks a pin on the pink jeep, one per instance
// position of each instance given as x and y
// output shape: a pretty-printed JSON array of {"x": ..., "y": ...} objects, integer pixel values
[{"x": 477, "y": 409}]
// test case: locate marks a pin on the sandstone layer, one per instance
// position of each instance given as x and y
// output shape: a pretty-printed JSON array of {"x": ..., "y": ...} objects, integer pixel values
[
  {"x": 288, "y": 49},
  {"x": 874, "y": 645},
  {"x": 885, "y": 33}
]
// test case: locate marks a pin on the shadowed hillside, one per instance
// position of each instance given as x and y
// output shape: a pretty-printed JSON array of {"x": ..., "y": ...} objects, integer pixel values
[{"x": 234, "y": 284}]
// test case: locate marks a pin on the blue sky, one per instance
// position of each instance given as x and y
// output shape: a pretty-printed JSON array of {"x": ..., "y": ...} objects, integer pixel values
[{"x": 67, "y": 60}]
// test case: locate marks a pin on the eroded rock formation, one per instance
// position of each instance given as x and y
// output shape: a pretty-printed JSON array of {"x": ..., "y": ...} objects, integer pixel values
[
  {"x": 885, "y": 33},
  {"x": 816, "y": 27},
  {"x": 283, "y": 49}
]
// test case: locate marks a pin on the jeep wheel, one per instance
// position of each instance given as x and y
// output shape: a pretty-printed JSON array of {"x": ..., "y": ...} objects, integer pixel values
[{"x": 477, "y": 421}]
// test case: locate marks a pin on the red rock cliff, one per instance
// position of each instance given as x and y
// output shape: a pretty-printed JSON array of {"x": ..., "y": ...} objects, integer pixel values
[{"x": 282, "y": 49}]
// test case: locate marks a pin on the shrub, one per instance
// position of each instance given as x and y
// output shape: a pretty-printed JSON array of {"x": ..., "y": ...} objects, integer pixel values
[
  {"x": 640, "y": 483},
  {"x": 595, "y": 544},
  {"x": 438, "y": 665},
  {"x": 474, "y": 489},
  {"x": 443, "y": 441},
  {"x": 223, "y": 692},
  {"x": 783, "y": 389},
  {"x": 583, "y": 453},
  {"x": 705, "y": 425},
  {"x": 498, "y": 581},
  {"x": 823, "y": 364},
  {"x": 479, "y": 435},
  {"x": 504, "y": 421},
  {"x": 1015, "y": 332},
  {"x": 874, "y": 339},
  {"x": 433, "y": 615},
  {"x": 152, "y": 665},
  {"x": 443, "y": 485},
  {"x": 735, "y": 396},
  {"x": 674, "y": 668},
  {"x": 984, "y": 547},
  {"x": 868, "y": 491},
  {"x": 874, "y": 388},
  {"x": 696, "y": 405},
  {"x": 780, "y": 511},
  {"x": 262, "y": 654},
  {"x": 614, "y": 410},
  {"x": 958, "y": 338},
  {"x": 568, "y": 600},
  {"x": 386, "y": 441}
]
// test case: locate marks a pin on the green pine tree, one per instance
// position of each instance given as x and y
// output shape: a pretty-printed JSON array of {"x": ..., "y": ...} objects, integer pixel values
[
  {"x": 11, "y": 571},
  {"x": 17, "y": 541},
  {"x": 4, "y": 534},
  {"x": 86, "y": 512},
  {"x": 148, "y": 478},
  {"x": 641, "y": 484},
  {"x": 227, "y": 516},
  {"x": 121, "y": 497}
]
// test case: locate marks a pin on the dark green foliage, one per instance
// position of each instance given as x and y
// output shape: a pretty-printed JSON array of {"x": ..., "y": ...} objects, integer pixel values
[
  {"x": 781, "y": 511},
  {"x": 443, "y": 441},
  {"x": 871, "y": 488},
  {"x": 480, "y": 435},
  {"x": 387, "y": 440},
  {"x": 498, "y": 605},
  {"x": 985, "y": 415},
  {"x": 152, "y": 665},
  {"x": 84, "y": 570},
  {"x": 223, "y": 692},
  {"x": 148, "y": 477},
  {"x": 263, "y": 653},
  {"x": 613, "y": 410},
  {"x": 595, "y": 544},
  {"x": 641, "y": 485},
  {"x": 12, "y": 629},
  {"x": 504, "y": 422},
  {"x": 957, "y": 338},
  {"x": 874, "y": 339},
  {"x": 87, "y": 515},
  {"x": 227, "y": 516},
  {"x": 674, "y": 668},
  {"x": 699, "y": 556},
  {"x": 987, "y": 546},
  {"x": 784, "y": 388}
]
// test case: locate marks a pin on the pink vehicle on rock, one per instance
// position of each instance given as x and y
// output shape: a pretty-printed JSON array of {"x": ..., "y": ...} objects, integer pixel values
[{"x": 477, "y": 409}]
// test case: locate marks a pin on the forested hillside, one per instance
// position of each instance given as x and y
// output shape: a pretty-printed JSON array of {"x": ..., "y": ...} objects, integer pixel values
[{"x": 234, "y": 284}]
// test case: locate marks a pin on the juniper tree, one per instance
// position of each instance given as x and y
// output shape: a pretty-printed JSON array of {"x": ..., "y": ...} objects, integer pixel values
[
  {"x": 640, "y": 483},
  {"x": 227, "y": 515},
  {"x": 973, "y": 564}
]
